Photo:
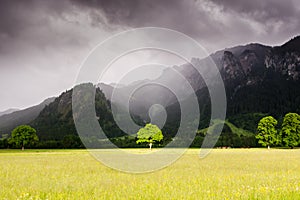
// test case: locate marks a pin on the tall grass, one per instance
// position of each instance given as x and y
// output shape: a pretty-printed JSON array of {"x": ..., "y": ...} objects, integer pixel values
[{"x": 224, "y": 174}]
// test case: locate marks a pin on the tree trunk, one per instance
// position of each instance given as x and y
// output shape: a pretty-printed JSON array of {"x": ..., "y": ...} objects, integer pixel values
[
  {"x": 150, "y": 146},
  {"x": 268, "y": 147},
  {"x": 23, "y": 144}
]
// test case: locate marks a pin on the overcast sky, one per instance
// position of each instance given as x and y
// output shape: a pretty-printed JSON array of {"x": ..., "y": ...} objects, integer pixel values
[{"x": 42, "y": 43}]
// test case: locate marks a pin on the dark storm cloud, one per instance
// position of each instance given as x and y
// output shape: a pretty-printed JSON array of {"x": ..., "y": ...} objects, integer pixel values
[
  {"x": 262, "y": 10},
  {"x": 185, "y": 16},
  {"x": 42, "y": 42},
  {"x": 275, "y": 21},
  {"x": 29, "y": 24},
  {"x": 35, "y": 20},
  {"x": 187, "y": 13},
  {"x": 228, "y": 22},
  {"x": 17, "y": 15}
]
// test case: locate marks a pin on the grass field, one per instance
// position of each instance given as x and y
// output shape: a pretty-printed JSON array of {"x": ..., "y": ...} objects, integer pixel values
[{"x": 223, "y": 174}]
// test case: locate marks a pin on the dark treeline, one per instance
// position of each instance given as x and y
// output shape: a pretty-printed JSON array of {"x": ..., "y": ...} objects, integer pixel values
[{"x": 55, "y": 126}]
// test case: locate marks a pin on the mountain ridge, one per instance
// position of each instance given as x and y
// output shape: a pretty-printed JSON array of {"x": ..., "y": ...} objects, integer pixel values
[
  {"x": 258, "y": 79},
  {"x": 25, "y": 116}
]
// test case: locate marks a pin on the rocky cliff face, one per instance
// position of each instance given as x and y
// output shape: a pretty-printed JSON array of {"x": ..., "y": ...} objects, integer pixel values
[
  {"x": 252, "y": 63},
  {"x": 231, "y": 67},
  {"x": 287, "y": 64},
  {"x": 243, "y": 69}
]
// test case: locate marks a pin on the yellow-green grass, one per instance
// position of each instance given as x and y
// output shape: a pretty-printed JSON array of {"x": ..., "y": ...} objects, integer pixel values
[{"x": 223, "y": 174}]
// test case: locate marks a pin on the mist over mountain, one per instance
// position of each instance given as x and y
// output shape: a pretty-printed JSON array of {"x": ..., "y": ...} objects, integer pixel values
[{"x": 259, "y": 80}]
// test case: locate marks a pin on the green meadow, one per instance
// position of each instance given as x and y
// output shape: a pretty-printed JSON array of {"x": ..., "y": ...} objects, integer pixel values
[{"x": 223, "y": 174}]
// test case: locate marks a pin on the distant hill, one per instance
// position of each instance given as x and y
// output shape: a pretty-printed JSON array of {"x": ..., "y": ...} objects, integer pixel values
[
  {"x": 8, "y": 111},
  {"x": 9, "y": 121},
  {"x": 55, "y": 121},
  {"x": 231, "y": 136},
  {"x": 229, "y": 127}
]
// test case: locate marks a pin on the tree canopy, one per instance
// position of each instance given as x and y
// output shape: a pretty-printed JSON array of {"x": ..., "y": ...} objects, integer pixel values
[
  {"x": 266, "y": 131},
  {"x": 290, "y": 131},
  {"x": 23, "y": 135},
  {"x": 149, "y": 134}
]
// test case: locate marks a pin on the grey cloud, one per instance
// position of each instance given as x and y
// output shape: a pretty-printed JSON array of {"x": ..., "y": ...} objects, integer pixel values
[
  {"x": 262, "y": 10},
  {"x": 33, "y": 24},
  {"x": 19, "y": 15},
  {"x": 229, "y": 22},
  {"x": 180, "y": 15},
  {"x": 201, "y": 19},
  {"x": 48, "y": 38},
  {"x": 205, "y": 20},
  {"x": 278, "y": 19}
]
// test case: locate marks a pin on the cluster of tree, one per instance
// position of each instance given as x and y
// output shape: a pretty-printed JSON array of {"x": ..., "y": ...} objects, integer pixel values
[
  {"x": 25, "y": 136},
  {"x": 231, "y": 137},
  {"x": 268, "y": 134}
]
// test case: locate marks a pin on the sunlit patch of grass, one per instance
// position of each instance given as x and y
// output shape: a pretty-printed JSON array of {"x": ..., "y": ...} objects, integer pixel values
[{"x": 223, "y": 174}]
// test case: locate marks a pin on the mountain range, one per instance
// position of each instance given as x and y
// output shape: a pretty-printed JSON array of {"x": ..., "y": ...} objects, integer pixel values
[{"x": 259, "y": 80}]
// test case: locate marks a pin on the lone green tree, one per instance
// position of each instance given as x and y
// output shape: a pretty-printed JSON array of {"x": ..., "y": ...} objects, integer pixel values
[
  {"x": 149, "y": 134},
  {"x": 290, "y": 131},
  {"x": 23, "y": 135},
  {"x": 266, "y": 132}
]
